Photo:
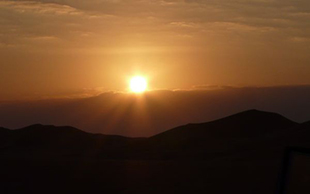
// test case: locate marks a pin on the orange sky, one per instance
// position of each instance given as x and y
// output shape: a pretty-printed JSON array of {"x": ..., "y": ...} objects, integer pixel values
[{"x": 72, "y": 47}]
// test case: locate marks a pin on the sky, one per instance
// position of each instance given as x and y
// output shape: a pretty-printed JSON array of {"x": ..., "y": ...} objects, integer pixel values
[
  {"x": 51, "y": 48},
  {"x": 69, "y": 62}
]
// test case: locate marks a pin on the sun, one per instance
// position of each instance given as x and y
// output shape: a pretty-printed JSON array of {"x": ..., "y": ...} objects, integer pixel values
[{"x": 138, "y": 84}]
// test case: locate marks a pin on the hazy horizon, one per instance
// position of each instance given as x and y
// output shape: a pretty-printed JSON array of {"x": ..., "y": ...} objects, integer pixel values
[{"x": 155, "y": 111}]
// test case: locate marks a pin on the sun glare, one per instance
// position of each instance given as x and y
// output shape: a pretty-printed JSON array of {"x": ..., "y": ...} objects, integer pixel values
[{"x": 138, "y": 84}]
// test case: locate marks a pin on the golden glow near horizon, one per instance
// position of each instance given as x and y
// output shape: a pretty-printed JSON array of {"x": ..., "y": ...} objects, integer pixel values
[{"x": 138, "y": 84}]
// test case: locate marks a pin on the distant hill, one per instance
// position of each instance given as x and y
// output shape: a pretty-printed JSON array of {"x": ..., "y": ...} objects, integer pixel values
[
  {"x": 4, "y": 135},
  {"x": 300, "y": 136},
  {"x": 4, "y": 130},
  {"x": 245, "y": 131},
  {"x": 239, "y": 132},
  {"x": 65, "y": 140},
  {"x": 248, "y": 124}
]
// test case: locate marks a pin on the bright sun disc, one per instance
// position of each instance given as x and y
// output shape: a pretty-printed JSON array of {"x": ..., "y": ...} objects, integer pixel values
[{"x": 138, "y": 84}]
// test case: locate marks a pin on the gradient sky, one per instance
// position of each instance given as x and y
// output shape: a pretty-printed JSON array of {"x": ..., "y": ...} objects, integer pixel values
[{"x": 76, "y": 47}]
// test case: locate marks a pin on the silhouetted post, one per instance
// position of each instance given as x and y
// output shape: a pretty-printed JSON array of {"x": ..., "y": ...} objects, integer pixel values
[{"x": 286, "y": 166}]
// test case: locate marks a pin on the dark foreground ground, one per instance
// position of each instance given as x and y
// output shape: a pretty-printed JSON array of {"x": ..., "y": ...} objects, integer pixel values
[{"x": 257, "y": 174}]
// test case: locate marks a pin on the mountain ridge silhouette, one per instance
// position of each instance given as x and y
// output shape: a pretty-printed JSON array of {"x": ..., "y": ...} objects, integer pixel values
[
  {"x": 251, "y": 129},
  {"x": 244, "y": 119}
]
